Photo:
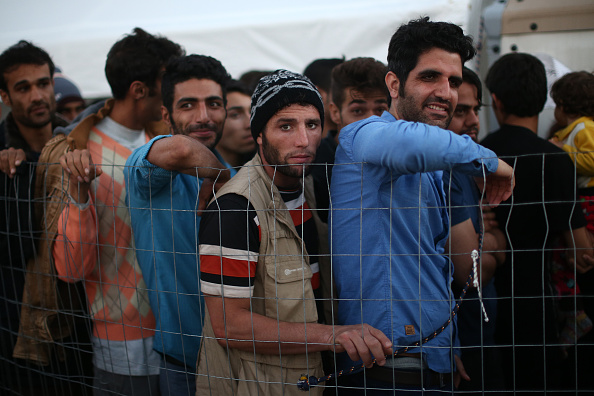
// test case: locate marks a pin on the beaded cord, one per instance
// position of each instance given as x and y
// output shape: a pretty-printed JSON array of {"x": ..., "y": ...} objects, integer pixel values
[{"x": 305, "y": 382}]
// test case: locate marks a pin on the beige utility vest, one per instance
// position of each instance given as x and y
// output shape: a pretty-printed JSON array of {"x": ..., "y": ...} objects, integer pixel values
[{"x": 282, "y": 290}]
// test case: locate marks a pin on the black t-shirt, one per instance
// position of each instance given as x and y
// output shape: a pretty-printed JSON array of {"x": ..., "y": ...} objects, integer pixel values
[
  {"x": 230, "y": 243},
  {"x": 543, "y": 204}
]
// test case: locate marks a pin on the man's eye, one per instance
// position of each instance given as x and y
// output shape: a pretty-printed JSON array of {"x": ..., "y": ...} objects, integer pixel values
[
  {"x": 216, "y": 104},
  {"x": 455, "y": 83},
  {"x": 459, "y": 112},
  {"x": 312, "y": 125},
  {"x": 357, "y": 112},
  {"x": 285, "y": 127},
  {"x": 379, "y": 111},
  {"x": 233, "y": 115},
  {"x": 185, "y": 105}
]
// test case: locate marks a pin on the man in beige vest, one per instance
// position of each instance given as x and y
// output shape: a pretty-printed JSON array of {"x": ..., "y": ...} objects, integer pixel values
[{"x": 259, "y": 254}]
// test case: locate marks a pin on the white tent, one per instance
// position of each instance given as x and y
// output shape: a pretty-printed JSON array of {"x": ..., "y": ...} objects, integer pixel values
[{"x": 243, "y": 35}]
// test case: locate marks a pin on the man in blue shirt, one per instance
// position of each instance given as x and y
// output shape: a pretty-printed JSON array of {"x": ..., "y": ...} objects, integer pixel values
[
  {"x": 389, "y": 220},
  {"x": 169, "y": 180}
]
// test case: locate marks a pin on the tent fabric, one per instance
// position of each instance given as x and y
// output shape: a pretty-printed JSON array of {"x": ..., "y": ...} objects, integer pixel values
[{"x": 259, "y": 34}]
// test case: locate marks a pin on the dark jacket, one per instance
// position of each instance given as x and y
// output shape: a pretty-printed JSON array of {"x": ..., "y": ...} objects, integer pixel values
[{"x": 18, "y": 225}]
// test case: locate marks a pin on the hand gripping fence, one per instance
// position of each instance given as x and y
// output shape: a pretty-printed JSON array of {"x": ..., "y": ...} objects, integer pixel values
[{"x": 305, "y": 382}]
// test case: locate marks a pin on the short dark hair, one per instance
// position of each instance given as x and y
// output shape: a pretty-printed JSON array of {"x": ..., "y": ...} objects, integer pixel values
[
  {"x": 519, "y": 81},
  {"x": 139, "y": 56},
  {"x": 251, "y": 78},
  {"x": 574, "y": 93},
  {"x": 319, "y": 71},
  {"x": 361, "y": 74},
  {"x": 23, "y": 53},
  {"x": 192, "y": 66},
  {"x": 421, "y": 35},
  {"x": 470, "y": 77},
  {"x": 238, "y": 86}
]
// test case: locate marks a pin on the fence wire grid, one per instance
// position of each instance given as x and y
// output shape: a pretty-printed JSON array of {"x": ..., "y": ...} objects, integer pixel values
[{"x": 101, "y": 302}]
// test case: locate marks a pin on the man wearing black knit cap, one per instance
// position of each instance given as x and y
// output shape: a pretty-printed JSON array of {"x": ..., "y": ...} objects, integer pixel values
[{"x": 259, "y": 249}]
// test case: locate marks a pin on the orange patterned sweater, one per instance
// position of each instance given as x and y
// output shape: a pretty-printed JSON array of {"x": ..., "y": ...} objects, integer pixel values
[{"x": 95, "y": 245}]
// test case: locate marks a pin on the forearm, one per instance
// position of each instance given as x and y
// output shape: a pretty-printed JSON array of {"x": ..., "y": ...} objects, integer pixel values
[
  {"x": 75, "y": 247},
  {"x": 404, "y": 149},
  {"x": 183, "y": 154},
  {"x": 256, "y": 333},
  {"x": 497, "y": 250}
]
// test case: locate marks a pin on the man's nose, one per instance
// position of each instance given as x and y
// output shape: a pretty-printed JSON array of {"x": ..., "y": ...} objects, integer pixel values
[
  {"x": 36, "y": 94},
  {"x": 473, "y": 118},
  {"x": 201, "y": 115},
  {"x": 444, "y": 90},
  {"x": 302, "y": 137}
]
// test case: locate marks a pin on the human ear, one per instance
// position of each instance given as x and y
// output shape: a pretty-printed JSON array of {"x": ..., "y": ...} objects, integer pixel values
[{"x": 393, "y": 84}]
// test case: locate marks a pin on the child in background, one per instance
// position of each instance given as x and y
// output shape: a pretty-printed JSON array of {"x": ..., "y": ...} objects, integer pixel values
[{"x": 574, "y": 97}]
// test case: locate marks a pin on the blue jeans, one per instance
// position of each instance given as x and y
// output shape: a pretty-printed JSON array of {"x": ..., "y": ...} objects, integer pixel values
[{"x": 176, "y": 380}]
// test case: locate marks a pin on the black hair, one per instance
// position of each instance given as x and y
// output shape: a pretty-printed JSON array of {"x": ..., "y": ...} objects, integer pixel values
[
  {"x": 470, "y": 77},
  {"x": 192, "y": 66},
  {"x": 23, "y": 53},
  {"x": 251, "y": 78},
  {"x": 238, "y": 86},
  {"x": 421, "y": 35},
  {"x": 139, "y": 56},
  {"x": 361, "y": 74},
  {"x": 574, "y": 92},
  {"x": 320, "y": 70},
  {"x": 519, "y": 81}
]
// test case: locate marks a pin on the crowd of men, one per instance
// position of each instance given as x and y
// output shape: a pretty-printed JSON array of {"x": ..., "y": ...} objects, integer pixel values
[{"x": 204, "y": 235}]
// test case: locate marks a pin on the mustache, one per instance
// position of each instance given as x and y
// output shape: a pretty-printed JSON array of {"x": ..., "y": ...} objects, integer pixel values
[
  {"x": 39, "y": 103},
  {"x": 201, "y": 127}
]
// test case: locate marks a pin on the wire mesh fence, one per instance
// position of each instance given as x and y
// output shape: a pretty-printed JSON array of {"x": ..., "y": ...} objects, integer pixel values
[{"x": 115, "y": 290}]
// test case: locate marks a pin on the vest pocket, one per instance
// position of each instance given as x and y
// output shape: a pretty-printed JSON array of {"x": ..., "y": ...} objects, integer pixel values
[{"x": 288, "y": 291}]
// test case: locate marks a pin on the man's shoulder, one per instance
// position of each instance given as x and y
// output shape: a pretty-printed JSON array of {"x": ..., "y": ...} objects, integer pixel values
[
  {"x": 229, "y": 203},
  {"x": 518, "y": 140},
  {"x": 88, "y": 113},
  {"x": 367, "y": 122}
]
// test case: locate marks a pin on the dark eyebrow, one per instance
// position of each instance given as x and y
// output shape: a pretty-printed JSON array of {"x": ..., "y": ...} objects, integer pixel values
[
  {"x": 193, "y": 99},
  {"x": 429, "y": 72},
  {"x": 27, "y": 82},
  {"x": 283, "y": 120},
  {"x": 463, "y": 106},
  {"x": 356, "y": 101},
  {"x": 235, "y": 108},
  {"x": 186, "y": 99}
]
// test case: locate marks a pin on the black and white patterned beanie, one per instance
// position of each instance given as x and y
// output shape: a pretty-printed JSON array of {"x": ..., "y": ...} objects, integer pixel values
[{"x": 278, "y": 90}]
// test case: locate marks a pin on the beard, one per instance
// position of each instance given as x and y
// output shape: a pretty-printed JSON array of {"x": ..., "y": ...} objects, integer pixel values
[
  {"x": 273, "y": 157},
  {"x": 36, "y": 122},
  {"x": 211, "y": 126},
  {"x": 408, "y": 109}
]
